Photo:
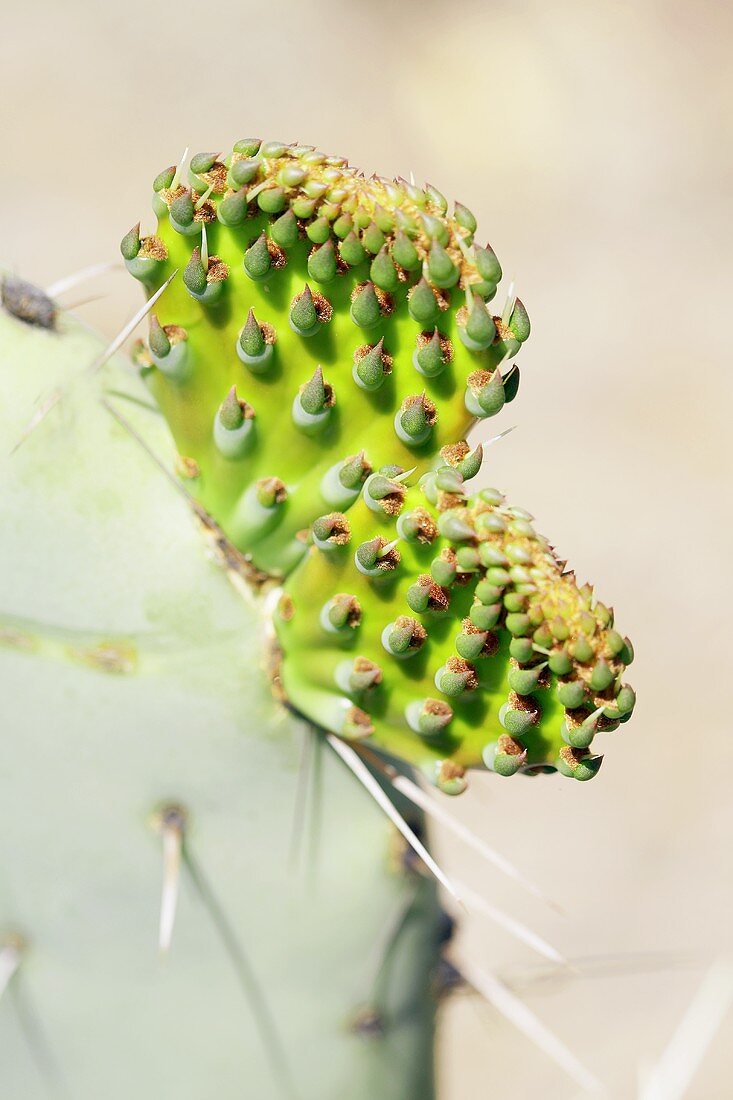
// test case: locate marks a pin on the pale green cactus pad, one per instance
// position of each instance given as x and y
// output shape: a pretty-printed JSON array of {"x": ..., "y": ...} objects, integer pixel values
[
  {"x": 138, "y": 717},
  {"x": 320, "y": 326}
]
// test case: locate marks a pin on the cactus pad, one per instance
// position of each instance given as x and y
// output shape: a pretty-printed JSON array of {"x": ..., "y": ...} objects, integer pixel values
[
  {"x": 443, "y": 629},
  {"x": 321, "y": 325},
  {"x": 136, "y": 712}
]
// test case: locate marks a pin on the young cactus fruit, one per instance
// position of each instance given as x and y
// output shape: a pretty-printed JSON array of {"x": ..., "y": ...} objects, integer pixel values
[
  {"x": 349, "y": 315},
  {"x": 443, "y": 629}
]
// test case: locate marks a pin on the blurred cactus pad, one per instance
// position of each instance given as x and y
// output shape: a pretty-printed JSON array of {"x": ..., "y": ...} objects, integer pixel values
[{"x": 146, "y": 759}]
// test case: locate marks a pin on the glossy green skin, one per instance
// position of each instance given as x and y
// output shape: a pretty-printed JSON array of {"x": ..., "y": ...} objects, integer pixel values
[
  {"x": 312, "y": 654},
  {"x": 100, "y": 550},
  {"x": 359, "y": 420}
]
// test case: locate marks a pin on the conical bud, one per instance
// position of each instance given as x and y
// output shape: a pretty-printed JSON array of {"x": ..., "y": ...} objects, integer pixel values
[
  {"x": 470, "y": 642},
  {"x": 525, "y": 680},
  {"x": 243, "y": 172},
  {"x": 303, "y": 315},
  {"x": 158, "y": 340},
  {"x": 233, "y": 208},
  {"x": 432, "y": 354},
  {"x": 318, "y": 231},
  {"x": 417, "y": 526},
  {"x": 164, "y": 179},
  {"x": 522, "y": 650},
  {"x": 464, "y": 217},
  {"x": 423, "y": 305},
  {"x": 455, "y": 677},
  {"x": 331, "y": 530},
  {"x": 354, "y": 677},
  {"x": 194, "y": 274},
  {"x": 182, "y": 211},
  {"x": 130, "y": 243},
  {"x": 454, "y": 524},
  {"x": 578, "y": 763},
  {"x": 443, "y": 272},
  {"x": 233, "y": 426},
  {"x": 485, "y": 393},
  {"x": 354, "y": 471},
  {"x": 519, "y": 322},
  {"x": 366, "y": 310},
  {"x": 284, "y": 231},
  {"x": 257, "y": 259},
  {"x": 232, "y": 411},
  {"x": 248, "y": 147},
  {"x": 270, "y": 492},
  {"x": 450, "y": 778},
  {"x": 372, "y": 238},
  {"x": 371, "y": 366},
  {"x": 443, "y": 569},
  {"x": 404, "y": 637},
  {"x": 404, "y": 252},
  {"x": 383, "y": 272},
  {"x": 382, "y": 494},
  {"x": 251, "y": 338},
  {"x": 504, "y": 756},
  {"x": 519, "y": 714},
  {"x": 343, "y": 612},
  {"x": 429, "y": 717},
  {"x": 316, "y": 396},
  {"x": 375, "y": 557},
  {"x": 485, "y": 616},
  {"x": 571, "y": 694},
  {"x": 479, "y": 330},
  {"x": 271, "y": 200},
  {"x": 425, "y": 595},
  {"x": 601, "y": 676},
  {"x": 415, "y": 420},
  {"x": 579, "y": 735},
  {"x": 351, "y": 250},
  {"x": 489, "y": 270},
  {"x": 322, "y": 263}
]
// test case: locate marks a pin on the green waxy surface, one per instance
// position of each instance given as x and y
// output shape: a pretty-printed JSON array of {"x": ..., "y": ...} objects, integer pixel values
[{"x": 132, "y": 677}]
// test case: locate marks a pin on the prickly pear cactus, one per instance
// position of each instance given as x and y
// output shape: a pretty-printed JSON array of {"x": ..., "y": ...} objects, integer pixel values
[
  {"x": 145, "y": 757},
  {"x": 320, "y": 345}
]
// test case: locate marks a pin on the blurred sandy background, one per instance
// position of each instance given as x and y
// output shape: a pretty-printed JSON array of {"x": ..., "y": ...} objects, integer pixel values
[{"x": 593, "y": 141}]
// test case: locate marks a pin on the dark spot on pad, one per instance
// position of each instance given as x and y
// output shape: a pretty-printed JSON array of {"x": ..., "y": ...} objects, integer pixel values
[{"x": 27, "y": 303}]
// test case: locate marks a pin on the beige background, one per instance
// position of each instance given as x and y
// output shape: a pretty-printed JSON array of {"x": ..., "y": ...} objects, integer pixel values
[{"x": 593, "y": 141}]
